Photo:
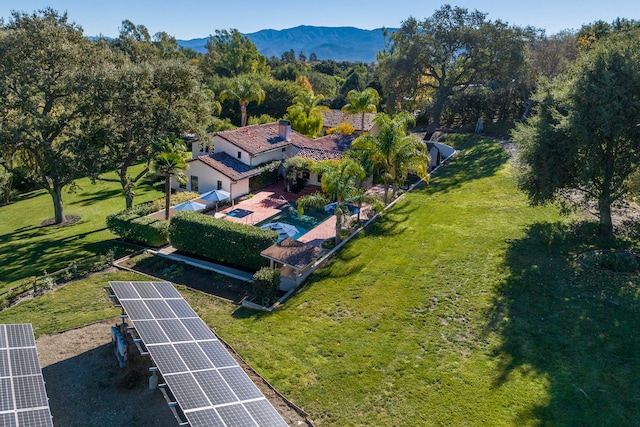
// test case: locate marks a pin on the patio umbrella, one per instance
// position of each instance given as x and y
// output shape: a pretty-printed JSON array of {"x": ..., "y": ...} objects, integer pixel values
[
  {"x": 331, "y": 208},
  {"x": 190, "y": 206},
  {"x": 215, "y": 196},
  {"x": 283, "y": 229}
]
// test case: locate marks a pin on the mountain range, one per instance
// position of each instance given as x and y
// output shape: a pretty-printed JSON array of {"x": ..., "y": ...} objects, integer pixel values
[{"x": 337, "y": 43}]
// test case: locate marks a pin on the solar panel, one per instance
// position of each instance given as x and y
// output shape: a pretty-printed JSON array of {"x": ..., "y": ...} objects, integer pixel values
[
  {"x": 150, "y": 332},
  {"x": 206, "y": 417},
  {"x": 235, "y": 416},
  {"x": 167, "y": 359},
  {"x": 206, "y": 381},
  {"x": 175, "y": 330},
  {"x": 198, "y": 329},
  {"x": 240, "y": 383},
  {"x": 217, "y": 391},
  {"x": 218, "y": 354},
  {"x": 262, "y": 412},
  {"x": 23, "y": 397},
  {"x": 4, "y": 363},
  {"x": 181, "y": 308}
]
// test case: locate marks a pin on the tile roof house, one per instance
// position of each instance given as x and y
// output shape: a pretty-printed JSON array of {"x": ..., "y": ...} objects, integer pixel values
[
  {"x": 333, "y": 118},
  {"x": 232, "y": 157},
  {"x": 325, "y": 148}
]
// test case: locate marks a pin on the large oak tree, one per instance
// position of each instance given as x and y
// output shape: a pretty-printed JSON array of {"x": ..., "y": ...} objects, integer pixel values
[
  {"x": 453, "y": 50},
  {"x": 46, "y": 70},
  {"x": 141, "y": 104},
  {"x": 585, "y": 132}
]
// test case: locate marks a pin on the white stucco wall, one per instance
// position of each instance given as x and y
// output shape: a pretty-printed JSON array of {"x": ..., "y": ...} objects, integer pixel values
[
  {"x": 200, "y": 148},
  {"x": 224, "y": 146},
  {"x": 269, "y": 156},
  {"x": 240, "y": 188},
  {"x": 208, "y": 180}
]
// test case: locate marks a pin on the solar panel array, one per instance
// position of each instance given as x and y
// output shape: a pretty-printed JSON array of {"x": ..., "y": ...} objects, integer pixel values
[
  {"x": 206, "y": 381},
  {"x": 23, "y": 397}
]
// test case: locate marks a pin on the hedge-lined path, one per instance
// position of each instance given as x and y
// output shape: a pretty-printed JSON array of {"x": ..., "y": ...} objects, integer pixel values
[{"x": 171, "y": 253}]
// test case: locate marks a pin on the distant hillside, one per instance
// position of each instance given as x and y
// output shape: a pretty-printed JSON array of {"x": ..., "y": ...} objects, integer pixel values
[{"x": 337, "y": 43}]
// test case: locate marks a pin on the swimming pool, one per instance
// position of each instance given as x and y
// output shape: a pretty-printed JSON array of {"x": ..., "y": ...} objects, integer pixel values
[
  {"x": 239, "y": 213},
  {"x": 289, "y": 215}
]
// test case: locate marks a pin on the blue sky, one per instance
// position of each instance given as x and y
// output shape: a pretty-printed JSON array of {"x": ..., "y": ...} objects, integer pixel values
[{"x": 189, "y": 19}]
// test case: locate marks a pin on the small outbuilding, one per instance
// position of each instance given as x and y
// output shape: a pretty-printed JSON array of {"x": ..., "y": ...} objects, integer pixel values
[{"x": 295, "y": 260}]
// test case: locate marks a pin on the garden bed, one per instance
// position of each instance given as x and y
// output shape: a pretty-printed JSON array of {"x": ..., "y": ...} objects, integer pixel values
[{"x": 178, "y": 272}]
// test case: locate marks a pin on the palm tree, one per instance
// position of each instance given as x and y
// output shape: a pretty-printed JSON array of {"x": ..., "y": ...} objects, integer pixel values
[
  {"x": 362, "y": 102},
  {"x": 339, "y": 180},
  {"x": 305, "y": 114},
  {"x": 394, "y": 151},
  {"x": 245, "y": 90},
  {"x": 168, "y": 164}
]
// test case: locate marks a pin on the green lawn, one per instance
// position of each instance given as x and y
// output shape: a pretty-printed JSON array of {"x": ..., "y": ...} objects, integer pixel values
[
  {"x": 461, "y": 306},
  {"x": 75, "y": 304},
  {"x": 27, "y": 249}
]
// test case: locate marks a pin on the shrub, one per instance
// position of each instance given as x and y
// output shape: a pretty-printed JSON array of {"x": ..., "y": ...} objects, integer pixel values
[
  {"x": 618, "y": 261},
  {"x": 177, "y": 198},
  {"x": 223, "y": 241},
  {"x": 268, "y": 175},
  {"x": 328, "y": 244},
  {"x": 266, "y": 284},
  {"x": 133, "y": 226}
]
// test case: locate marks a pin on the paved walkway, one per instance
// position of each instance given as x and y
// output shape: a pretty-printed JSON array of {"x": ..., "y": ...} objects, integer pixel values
[{"x": 171, "y": 253}]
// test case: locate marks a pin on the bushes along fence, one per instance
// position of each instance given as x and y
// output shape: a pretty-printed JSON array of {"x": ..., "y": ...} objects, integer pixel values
[
  {"x": 219, "y": 240},
  {"x": 132, "y": 225}
]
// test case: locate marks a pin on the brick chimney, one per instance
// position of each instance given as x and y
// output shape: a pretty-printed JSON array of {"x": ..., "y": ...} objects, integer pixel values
[{"x": 284, "y": 130}]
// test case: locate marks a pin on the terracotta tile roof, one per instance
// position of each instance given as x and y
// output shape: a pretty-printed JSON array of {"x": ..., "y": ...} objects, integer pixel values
[
  {"x": 228, "y": 166},
  {"x": 333, "y": 142},
  {"x": 319, "y": 155},
  {"x": 260, "y": 138},
  {"x": 333, "y": 118},
  {"x": 293, "y": 253}
]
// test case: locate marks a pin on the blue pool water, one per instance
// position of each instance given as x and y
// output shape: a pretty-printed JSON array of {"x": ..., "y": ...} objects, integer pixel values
[{"x": 289, "y": 215}]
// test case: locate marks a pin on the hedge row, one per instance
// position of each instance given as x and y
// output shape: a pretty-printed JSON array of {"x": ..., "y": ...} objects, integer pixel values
[
  {"x": 266, "y": 284},
  {"x": 134, "y": 226},
  {"x": 219, "y": 240}
]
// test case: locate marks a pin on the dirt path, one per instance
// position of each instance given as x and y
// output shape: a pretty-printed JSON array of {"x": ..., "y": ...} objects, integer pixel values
[{"x": 87, "y": 388}]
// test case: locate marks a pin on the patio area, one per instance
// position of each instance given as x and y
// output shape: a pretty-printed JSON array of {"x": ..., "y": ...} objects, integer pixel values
[{"x": 268, "y": 202}]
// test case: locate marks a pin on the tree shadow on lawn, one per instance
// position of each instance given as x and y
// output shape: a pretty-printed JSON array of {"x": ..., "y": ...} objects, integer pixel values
[
  {"x": 26, "y": 196},
  {"x": 478, "y": 158},
  {"x": 573, "y": 326},
  {"x": 393, "y": 222},
  {"x": 89, "y": 198},
  {"x": 22, "y": 258}
]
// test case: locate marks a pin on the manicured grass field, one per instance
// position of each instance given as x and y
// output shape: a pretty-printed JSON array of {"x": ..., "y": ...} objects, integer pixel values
[
  {"x": 27, "y": 249},
  {"x": 75, "y": 304},
  {"x": 462, "y": 306}
]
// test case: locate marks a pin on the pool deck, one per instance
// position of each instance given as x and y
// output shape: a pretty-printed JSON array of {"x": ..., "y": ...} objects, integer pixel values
[{"x": 267, "y": 203}]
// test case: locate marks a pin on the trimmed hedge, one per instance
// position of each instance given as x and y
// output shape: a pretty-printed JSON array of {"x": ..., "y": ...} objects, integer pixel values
[
  {"x": 266, "y": 284},
  {"x": 134, "y": 226},
  {"x": 219, "y": 240}
]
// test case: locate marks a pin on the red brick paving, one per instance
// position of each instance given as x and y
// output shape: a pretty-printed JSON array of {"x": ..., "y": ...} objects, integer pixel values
[{"x": 266, "y": 203}]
